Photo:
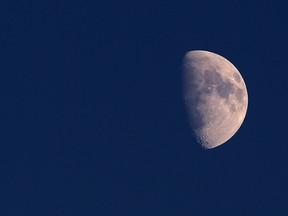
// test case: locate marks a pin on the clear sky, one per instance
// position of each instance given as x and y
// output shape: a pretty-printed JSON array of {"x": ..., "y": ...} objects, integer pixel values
[{"x": 92, "y": 119}]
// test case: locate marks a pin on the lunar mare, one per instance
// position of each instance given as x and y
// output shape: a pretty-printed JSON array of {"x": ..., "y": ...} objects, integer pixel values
[{"x": 215, "y": 96}]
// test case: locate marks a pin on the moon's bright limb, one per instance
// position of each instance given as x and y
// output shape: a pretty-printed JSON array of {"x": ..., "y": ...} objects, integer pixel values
[{"x": 215, "y": 96}]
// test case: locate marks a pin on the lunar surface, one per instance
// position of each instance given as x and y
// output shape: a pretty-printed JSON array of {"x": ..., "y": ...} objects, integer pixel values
[{"x": 215, "y": 96}]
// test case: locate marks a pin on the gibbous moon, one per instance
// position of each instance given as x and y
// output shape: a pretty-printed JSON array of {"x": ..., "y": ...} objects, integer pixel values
[{"x": 215, "y": 96}]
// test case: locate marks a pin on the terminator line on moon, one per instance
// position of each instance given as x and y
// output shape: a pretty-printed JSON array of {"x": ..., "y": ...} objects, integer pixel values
[{"x": 215, "y": 96}]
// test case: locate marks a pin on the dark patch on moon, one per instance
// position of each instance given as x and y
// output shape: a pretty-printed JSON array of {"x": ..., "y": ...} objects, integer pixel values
[
  {"x": 239, "y": 94},
  {"x": 213, "y": 80},
  {"x": 212, "y": 77},
  {"x": 232, "y": 108},
  {"x": 225, "y": 89},
  {"x": 237, "y": 77}
]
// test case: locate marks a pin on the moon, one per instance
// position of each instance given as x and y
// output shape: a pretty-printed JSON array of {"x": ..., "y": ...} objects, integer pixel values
[{"x": 215, "y": 97}]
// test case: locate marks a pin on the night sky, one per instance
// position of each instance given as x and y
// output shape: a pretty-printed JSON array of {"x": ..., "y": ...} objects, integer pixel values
[{"x": 93, "y": 122}]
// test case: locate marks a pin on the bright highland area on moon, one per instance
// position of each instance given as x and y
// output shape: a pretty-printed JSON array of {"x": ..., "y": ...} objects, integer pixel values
[{"x": 215, "y": 96}]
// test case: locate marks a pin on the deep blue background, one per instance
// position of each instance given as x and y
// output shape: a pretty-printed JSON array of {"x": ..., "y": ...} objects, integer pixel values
[{"x": 92, "y": 120}]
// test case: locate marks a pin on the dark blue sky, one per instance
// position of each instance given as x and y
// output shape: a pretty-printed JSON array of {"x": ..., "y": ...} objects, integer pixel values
[{"x": 93, "y": 121}]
